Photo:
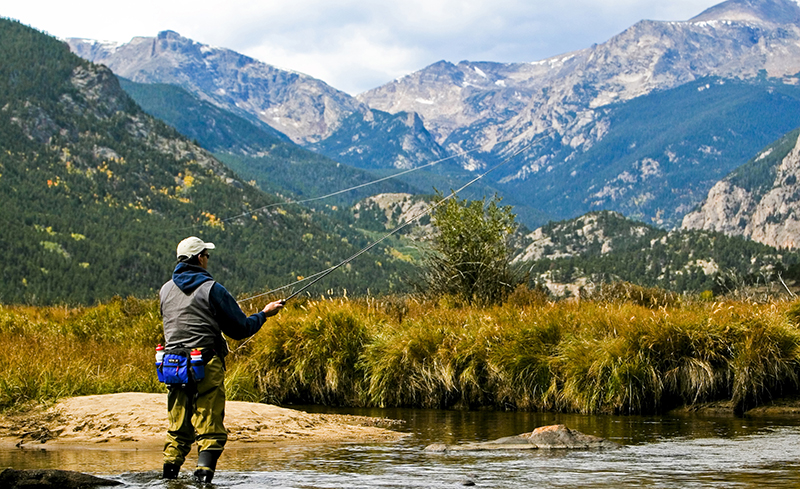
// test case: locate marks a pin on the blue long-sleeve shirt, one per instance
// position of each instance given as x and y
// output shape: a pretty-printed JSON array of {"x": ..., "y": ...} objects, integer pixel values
[{"x": 222, "y": 306}]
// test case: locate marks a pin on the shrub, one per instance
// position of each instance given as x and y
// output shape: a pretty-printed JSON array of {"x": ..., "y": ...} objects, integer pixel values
[{"x": 470, "y": 256}]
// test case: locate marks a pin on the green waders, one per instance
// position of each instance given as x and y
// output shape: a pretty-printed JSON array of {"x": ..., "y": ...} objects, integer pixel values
[{"x": 196, "y": 414}]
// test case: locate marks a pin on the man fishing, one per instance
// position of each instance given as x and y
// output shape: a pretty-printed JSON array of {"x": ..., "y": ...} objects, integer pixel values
[{"x": 196, "y": 310}]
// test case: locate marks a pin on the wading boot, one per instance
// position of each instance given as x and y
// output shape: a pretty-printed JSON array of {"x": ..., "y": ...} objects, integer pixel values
[
  {"x": 206, "y": 465},
  {"x": 171, "y": 471},
  {"x": 203, "y": 474}
]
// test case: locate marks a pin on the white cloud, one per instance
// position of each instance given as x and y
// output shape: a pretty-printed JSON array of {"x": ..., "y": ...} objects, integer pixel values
[{"x": 355, "y": 45}]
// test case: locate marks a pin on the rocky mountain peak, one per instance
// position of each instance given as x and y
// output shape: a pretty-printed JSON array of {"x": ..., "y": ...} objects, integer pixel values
[
  {"x": 298, "y": 105},
  {"x": 169, "y": 34},
  {"x": 772, "y": 11}
]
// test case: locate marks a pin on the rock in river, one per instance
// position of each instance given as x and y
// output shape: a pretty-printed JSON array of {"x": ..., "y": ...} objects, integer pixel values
[
  {"x": 546, "y": 437},
  {"x": 51, "y": 479}
]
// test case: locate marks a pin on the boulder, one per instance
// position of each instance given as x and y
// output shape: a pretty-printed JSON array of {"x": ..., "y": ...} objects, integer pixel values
[
  {"x": 51, "y": 479},
  {"x": 546, "y": 437}
]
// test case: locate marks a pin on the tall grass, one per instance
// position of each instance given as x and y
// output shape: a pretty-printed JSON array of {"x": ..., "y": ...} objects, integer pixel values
[
  {"x": 618, "y": 353},
  {"x": 311, "y": 357},
  {"x": 52, "y": 352}
]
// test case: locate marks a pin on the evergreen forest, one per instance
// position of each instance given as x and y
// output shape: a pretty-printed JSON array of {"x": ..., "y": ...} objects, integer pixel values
[{"x": 96, "y": 194}]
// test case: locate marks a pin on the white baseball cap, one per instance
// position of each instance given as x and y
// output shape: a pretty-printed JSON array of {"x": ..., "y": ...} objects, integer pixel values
[{"x": 193, "y": 246}]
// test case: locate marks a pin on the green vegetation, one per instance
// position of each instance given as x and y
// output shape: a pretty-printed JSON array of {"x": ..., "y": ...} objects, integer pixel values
[
  {"x": 604, "y": 247},
  {"x": 43, "y": 79},
  {"x": 609, "y": 355},
  {"x": 470, "y": 256}
]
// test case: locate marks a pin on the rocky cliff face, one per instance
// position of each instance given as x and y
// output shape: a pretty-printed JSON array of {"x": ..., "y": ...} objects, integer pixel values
[
  {"x": 302, "y": 107},
  {"x": 378, "y": 139},
  {"x": 768, "y": 214}
]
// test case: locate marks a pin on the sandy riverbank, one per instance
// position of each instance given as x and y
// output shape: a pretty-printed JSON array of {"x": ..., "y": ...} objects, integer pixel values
[{"x": 137, "y": 420}]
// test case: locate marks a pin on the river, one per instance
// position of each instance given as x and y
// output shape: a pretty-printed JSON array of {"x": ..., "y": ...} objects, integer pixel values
[{"x": 658, "y": 452}]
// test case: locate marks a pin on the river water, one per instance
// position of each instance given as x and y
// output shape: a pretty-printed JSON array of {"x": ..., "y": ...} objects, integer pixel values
[{"x": 658, "y": 452}]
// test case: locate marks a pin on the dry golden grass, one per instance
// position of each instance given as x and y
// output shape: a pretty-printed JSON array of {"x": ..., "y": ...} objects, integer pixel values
[{"x": 621, "y": 355}]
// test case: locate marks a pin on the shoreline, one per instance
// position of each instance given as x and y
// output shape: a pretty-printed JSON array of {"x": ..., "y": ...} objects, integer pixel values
[
  {"x": 788, "y": 406},
  {"x": 138, "y": 421}
]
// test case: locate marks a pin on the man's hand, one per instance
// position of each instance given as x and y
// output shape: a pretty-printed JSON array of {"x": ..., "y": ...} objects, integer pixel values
[{"x": 272, "y": 308}]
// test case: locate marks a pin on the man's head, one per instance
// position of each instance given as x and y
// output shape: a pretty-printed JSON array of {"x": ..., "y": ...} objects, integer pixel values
[{"x": 193, "y": 249}]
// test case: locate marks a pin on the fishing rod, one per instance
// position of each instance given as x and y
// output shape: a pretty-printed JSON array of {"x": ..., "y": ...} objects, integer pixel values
[{"x": 320, "y": 275}]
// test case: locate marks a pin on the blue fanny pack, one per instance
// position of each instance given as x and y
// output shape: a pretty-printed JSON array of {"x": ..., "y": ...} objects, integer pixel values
[{"x": 177, "y": 368}]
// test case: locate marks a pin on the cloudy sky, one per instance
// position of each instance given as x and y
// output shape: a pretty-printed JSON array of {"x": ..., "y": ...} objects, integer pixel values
[{"x": 355, "y": 45}]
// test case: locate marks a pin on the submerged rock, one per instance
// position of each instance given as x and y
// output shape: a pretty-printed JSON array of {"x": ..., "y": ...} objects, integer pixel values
[
  {"x": 546, "y": 437},
  {"x": 51, "y": 479}
]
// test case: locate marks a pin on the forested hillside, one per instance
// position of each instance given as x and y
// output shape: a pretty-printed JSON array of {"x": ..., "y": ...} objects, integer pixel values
[
  {"x": 256, "y": 152},
  {"x": 96, "y": 194},
  {"x": 604, "y": 247},
  {"x": 662, "y": 152},
  {"x": 214, "y": 128}
]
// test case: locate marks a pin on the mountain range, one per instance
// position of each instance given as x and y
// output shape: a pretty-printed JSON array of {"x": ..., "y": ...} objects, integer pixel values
[
  {"x": 305, "y": 109},
  {"x": 644, "y": 124}
]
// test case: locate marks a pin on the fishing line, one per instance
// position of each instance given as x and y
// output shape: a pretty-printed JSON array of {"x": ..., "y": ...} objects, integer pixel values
[
  {"x": 320, "y": 275},
  {"x": 338, "y": 192}
]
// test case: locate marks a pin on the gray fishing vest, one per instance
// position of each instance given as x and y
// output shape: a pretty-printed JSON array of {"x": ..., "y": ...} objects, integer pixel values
[{"x": 187, "y": 319}]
